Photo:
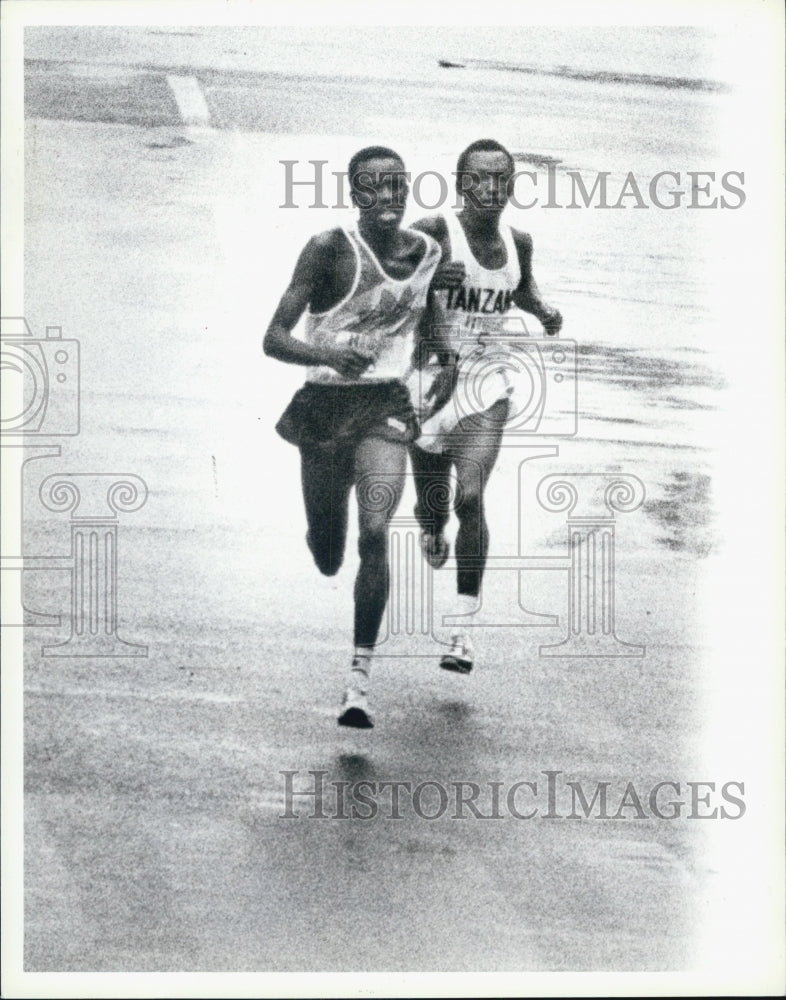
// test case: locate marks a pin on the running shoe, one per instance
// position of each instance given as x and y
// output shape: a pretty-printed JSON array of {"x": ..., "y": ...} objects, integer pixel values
[
  {"x": 434, "y": 548},
  {"x": 355, "y": 711},
  {"x": 461, "y": 656}
]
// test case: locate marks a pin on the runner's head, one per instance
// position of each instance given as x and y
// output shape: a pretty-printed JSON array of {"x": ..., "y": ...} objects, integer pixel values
[
  {"x": 378, "y": 186},
  {"x": 484, "y": 173}
]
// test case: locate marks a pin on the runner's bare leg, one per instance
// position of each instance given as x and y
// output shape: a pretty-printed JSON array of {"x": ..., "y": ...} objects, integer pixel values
[
  {"x": 474, "y": 448},
  {"x": 327, "y": 475},
  {"x": 432, "y": 486},
  {"x": 380, "y": 468}
]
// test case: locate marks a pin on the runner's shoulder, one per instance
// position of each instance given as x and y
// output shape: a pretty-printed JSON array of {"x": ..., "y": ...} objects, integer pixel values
[
  {"x": 522, "y": 241},
  {"x": 330, "y": 241},
  {"x": 324, "y": 249},
  {"x": 434, "y": 226}
]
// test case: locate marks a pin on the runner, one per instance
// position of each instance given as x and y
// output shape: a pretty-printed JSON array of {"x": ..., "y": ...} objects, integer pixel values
[
  {"x": 497, "y": 274},
  {"x": 366, "y": 292}
]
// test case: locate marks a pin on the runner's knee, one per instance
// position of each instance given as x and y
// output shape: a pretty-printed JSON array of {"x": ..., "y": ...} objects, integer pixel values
[
  {"x": 327, "y": 555},
  {"x": 373, "y": 540},
  {"x": 330, "y": 564},
  {"x": 469, "y": 502}
]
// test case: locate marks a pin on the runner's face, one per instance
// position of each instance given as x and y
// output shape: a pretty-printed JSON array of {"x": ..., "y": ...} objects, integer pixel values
[
  {"x": 487, "y": 189},
  {"x": 380, "y": 192}
]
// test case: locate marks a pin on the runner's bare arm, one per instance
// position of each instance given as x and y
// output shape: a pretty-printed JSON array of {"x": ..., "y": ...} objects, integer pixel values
[
  {"x": 433, "y": 339},
  {"x": 527, "y": 296},
  {"x": 450, "y": 273},
  {"x": 312, "y": 267},
  {"x": 432, "y": 333}
]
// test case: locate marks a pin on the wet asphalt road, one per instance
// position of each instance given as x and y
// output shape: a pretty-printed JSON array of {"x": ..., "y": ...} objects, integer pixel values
[{"x": 156, "y": 834}]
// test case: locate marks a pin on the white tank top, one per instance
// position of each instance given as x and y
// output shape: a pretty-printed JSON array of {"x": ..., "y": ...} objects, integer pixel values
[
  {"x": 379, "y": 315},
  {"x": 483, "y": 295}
]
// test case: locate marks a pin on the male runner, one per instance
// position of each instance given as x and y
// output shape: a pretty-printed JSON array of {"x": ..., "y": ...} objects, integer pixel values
[
  {"x": 366, "y": 291},
  {"x": 497, "y": 274}
]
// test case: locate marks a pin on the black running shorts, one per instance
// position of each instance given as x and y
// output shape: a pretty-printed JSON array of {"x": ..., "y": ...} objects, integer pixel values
[{"x": 339, "y": 416}]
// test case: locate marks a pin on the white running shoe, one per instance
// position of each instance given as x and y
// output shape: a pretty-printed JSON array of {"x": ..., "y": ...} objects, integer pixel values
[
  {"x": 355, "y": 711},
  {"x": 461, "y": 656}
]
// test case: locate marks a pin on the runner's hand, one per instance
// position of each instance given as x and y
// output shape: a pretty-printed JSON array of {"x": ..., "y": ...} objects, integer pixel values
[
  {"x": 552, "y": 322},
  {"x": 448, "y": 275},
  {"x": 348, "y": 361}
]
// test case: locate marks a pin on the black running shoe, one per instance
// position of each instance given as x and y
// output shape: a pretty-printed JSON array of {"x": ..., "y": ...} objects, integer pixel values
[{"x": 355, "y": 711}]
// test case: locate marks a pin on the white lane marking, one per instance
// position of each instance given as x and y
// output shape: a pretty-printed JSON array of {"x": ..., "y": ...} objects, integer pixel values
[{"x": 191, "y": 101}]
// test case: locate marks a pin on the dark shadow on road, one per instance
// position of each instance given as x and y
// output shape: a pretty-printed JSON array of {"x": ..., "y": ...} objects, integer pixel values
[{"x": 354, "y": 767}]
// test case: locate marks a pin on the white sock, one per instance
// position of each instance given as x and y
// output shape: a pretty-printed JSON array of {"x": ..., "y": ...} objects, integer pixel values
[
  {"x": 360, "y": 671},
  {"x": 465, "y": 604}
]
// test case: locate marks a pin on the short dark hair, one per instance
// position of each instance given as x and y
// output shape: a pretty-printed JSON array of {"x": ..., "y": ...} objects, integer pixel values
[
  {"x": 370, "y": 153},
  {"x": 482, "y": 146}
]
